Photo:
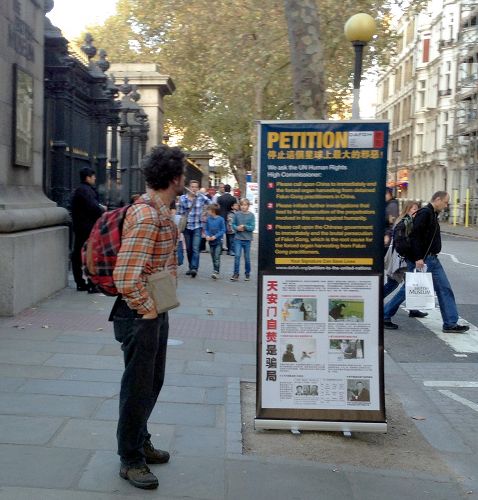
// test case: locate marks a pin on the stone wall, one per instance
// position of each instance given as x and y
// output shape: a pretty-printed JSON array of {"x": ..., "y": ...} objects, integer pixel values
[{"x": 33, "y": 239}]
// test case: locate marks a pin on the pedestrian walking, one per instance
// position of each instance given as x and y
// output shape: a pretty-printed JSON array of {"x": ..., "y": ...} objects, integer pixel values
[
  {"x": 148, "y": 245},
  {"x": 85, "y": 210},
  {"x": 391, "y": 215},
  {"x": 243, "y": 225},
  {"x": 425, "y": 240},
  {"x": 229, "y": 230},
  {"x": 193, "y": 203},
  {"x": 225, "y": 202},
  {"x": 214, "y": 229},
  {"x": 395, "y": 265}
]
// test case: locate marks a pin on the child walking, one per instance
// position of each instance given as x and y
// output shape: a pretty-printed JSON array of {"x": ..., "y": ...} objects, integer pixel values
[
  {"x": 229, "y": 230},
  {"x": 243, "y": 224},
  {"x": 214, "y": 229}
]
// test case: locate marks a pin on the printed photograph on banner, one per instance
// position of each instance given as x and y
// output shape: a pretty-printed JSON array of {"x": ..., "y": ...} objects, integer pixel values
[
  {"x": 358, "y": 390},
  {"x": 346, "y": 310},
  {"x": 306, "y": 390},
  {"x": 299, "y": 351},
  {"x": 347, "y": 348},
  {"x": 299, "y": 309}
]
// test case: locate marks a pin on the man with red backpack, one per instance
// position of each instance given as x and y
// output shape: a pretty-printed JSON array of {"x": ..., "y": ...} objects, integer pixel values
[{"x": 148, "y": 245}]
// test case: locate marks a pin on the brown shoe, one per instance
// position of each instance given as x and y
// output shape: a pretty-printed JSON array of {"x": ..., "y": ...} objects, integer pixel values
[
  {"x": 139, "y": 476},
  {"x": 154, "y": 455}
]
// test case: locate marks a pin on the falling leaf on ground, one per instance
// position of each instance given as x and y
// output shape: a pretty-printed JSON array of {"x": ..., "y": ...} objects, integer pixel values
[
  {"x": 210, "y": 312},
  {"x": 418, "y": 417},
  {"x": 45, "y": 326},
  {"x": 209, "y": 351}
]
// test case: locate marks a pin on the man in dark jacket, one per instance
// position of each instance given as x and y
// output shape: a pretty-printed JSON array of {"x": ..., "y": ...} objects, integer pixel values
[
  {"x": 425, "y": 240},
  {"x": 85, "y": 210},
  {"x": 225, "y": 202}
]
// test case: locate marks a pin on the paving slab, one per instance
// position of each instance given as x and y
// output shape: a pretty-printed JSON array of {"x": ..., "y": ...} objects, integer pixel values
[
  {"x": 54, "y": 406},
  {"x": 231, "y": 346},
  {"x": 183, "y": 379},
  {"x": 18, "y": 493},
  {"x": 87, "y": 338},
  {"x": 29, "y": 333},
  {"x": 11, "y": 384},
  {"x": 92, "y": 375},
  {"x": 212, "y": 368},
  {"x": 374, "y": 486},
  {"x": 18, "y": 357},
  {"x": 15, "y": 429},
  {"x": 49, "y": 346},
  {"x": 71, "y": 388},
  {"x": 40, "y": 467},
  {"x": 85, "y": 361},
  {"x": 101, "y": 435},
  {"x": 16, "y": 371},
  {"x": 178, "y": 394},
  {"x": 261, "y": 480},
  {"x": 204, "y": 443}
]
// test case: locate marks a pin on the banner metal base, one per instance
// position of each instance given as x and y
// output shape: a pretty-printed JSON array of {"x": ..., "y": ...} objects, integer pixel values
[{"x": 317, "y": 425}]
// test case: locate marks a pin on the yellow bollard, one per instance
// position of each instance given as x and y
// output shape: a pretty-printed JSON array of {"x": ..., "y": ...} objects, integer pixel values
[
  {"x": 467, "y": 206},
  {"x": 455, "y": 206}
]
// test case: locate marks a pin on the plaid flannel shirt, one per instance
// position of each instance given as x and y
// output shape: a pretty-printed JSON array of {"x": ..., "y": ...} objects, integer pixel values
[
  {"x": 196, "y": 209},
  {"x": 148, "y": 245}
]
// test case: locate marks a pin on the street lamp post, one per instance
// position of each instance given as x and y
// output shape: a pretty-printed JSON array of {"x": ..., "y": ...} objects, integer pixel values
[{"x": 359, "y": 30}]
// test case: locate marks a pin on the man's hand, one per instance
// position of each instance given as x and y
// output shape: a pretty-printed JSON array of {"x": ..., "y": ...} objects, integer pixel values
[
  {"x": 150, "y": 315},
  {"x": 420, "y": 264}
]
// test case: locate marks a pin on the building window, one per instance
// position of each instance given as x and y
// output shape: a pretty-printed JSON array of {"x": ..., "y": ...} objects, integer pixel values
[
  {"x": 421, "y": 94},
  {"x": 426, "y": 50}
]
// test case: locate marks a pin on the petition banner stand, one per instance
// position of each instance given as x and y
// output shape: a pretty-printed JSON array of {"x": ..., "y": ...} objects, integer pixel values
[{"x": 320, "y": 301}]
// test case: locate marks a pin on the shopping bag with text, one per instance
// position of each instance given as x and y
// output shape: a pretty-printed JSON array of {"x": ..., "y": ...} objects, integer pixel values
[{"x": 419, "y": 291}]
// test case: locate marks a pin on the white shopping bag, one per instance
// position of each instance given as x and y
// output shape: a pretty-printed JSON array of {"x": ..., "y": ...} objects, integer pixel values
[{"x": 419, "y": 291}]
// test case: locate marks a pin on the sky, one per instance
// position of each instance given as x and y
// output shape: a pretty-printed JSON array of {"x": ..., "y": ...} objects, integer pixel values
[{"x": 71, "y": 16}]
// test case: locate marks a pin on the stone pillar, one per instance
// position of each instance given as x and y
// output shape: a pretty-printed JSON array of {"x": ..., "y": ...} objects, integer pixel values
[
  {"x": 33, "y": 239},
  {"x": 153, "y": 86}
]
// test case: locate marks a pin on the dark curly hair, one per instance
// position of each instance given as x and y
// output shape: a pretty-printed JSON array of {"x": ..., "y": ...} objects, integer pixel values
[{"x": 161, "y": 165}]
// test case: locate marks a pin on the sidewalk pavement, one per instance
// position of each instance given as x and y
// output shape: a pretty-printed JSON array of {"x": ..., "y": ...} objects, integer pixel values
[
  {"x": 60, "y": 369},
  {"x": 459, "y": 230}
]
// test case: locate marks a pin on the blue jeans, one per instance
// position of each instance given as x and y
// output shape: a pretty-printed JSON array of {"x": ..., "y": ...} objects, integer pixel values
[
  {"x": 216, "y": 255},
  {"x": 446, "y": 297},
  {"x": 180, "y": 253},
  {"x": 144, "y": 343},
  {"x": 240, "y": 245},
  {"x": 389, "y": 286},
  {"x": 193, "y": 243}
]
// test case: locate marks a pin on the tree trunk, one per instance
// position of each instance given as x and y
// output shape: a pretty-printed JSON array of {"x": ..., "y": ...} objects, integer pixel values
[
  {"x": 238, "y": 167},
  {"x": 307, "y": 59}
]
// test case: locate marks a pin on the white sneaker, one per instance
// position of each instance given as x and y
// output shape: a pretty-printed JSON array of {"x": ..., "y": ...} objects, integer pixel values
[{"x": 214, "y": 276}]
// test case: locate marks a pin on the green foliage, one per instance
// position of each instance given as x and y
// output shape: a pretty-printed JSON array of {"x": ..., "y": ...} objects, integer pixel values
[{"x": 230, "y": 61}]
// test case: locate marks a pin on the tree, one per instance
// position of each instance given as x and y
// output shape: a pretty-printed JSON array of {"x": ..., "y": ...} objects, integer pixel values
[
  {"x": 306, "y": 48},
  {"x": 231, "y": 62}
]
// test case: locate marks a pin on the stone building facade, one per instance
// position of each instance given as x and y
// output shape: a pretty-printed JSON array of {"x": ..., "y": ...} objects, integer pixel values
[
  {"x": 33, "y": 235},
  {"x": 421, "y": 94}
]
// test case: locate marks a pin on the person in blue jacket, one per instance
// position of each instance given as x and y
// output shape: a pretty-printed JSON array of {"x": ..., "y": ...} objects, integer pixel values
[
  {"x": 214, "y": 230},
  {"x": 243, "y": 224}
]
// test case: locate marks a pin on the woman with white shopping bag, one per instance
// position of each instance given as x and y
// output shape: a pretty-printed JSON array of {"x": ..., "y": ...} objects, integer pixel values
[
  {"x": 425, "y": 240},
  {"x": 395, "y": 265}
]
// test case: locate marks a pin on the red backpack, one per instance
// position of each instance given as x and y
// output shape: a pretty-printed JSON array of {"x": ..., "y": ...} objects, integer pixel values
[{"x": 101, "y": 249}]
